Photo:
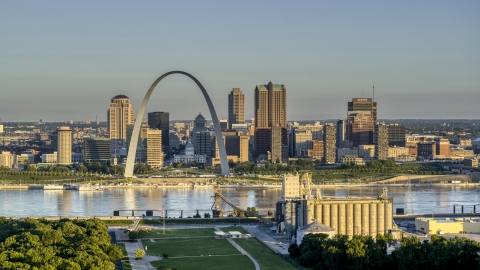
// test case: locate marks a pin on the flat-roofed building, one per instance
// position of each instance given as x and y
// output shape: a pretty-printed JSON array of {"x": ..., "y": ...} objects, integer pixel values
[
  {"x": 343, "y": 152},
  {"x": 317, "y": 150},
  {"x": 236, "y": 107},
  {"x": 161, "y": 121},
  {"x": 97, "y": 149},
  {"x": 6, "y": 159},
  {"x": 426, "y": 149},
  {"x": 290, "y": 186},
  {"x": 64, "y": 147},
  {"x": 152, "y": 139},
  {"x": 329, "y": 143},
  {"x": 470, "y": 162},
  {"x": 396, "y": 152},
  {"x": 380, "y": 140},
  {"x": 353, "y": 160},
  {"x": 442, "y": 147},
  {"x": 52, "y": 158},
  {"x": 367, "y": 152}
]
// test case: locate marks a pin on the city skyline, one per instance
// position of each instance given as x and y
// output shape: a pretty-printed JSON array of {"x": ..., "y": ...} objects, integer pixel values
[{"x": 423, "y": 58}]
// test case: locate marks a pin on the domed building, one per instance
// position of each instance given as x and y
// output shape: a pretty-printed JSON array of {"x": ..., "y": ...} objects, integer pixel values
[{"x": 189, "y": 155}]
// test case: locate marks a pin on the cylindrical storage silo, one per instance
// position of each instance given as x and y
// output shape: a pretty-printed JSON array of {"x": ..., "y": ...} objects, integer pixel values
[
  {"x": 388, "y": 216},
  {"x": 365, "y": 220},
  {"x": 357, "y": 219},
  {"x": 381, "y": 218},
  {"x": 310, "y": 212},
  {"x": 326, "y": 214},
  {"x": 349, "y": 220},
  {"x": 318, "y": 213},
  {"x": 373, "y": 219},
  {"x": 341, "y": 219},
  {"x": 334, "y": 217}
]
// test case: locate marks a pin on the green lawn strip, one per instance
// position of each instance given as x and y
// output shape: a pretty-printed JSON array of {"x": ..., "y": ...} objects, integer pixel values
[
  {"x": 265, "y": 257},
  {"x": 233, "y": 228},
  {"x": 176, "y": 233},
  {"x": 123, "y": 249},
  {"x": 190, "y": 247},
  {"x": 234, "y": 262},
  {"x": 110, "y": 222},
  {"x": 126, "y": 265},
  {"x": 234, "y": 220}
]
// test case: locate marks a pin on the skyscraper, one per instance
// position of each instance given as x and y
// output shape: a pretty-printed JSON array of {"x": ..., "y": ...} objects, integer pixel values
[
  {"x": 96, "y": 150},
  {"x": 160, "y": 120},
  {"x": 64, "y": 147},
  {"x": 380, "y": 139},
  {"x": 236, "y": 107},
  {"x": 119, "y": 116},
  {"x": 340, "y": 133},
  {"x": 361, "y": 119},
  {"x": 271, "y": 115},
  {"x": 396, "y": 135},
  {"x": 270, "y": 105},
  {"x": 329, "y": 142},
  {"x": 364, "y": 106},
  {"x": 199, "y": 125},
  {"x": 153, "y": 138},
  {"x": 360, "y": 128}
]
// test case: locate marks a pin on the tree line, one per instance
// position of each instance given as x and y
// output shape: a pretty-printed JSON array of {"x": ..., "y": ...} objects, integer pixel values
[
  {"x": 318, "y": 251},
  {"x": 374, "y": 166},
  {"x": 83, "y": 169},
  {"x": 64, "y": 244}
]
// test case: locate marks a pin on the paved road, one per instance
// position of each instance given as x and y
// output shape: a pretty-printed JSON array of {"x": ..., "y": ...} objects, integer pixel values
[
  {"x": 144, "y": 263},
  {"x": 113, "y": 240},
  {"x": 273, "y": 244},
  {"x": 239, "y": 248}
]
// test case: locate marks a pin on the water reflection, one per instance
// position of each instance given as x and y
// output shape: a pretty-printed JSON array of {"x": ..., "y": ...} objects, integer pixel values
[{"x": 75, "y": 203}]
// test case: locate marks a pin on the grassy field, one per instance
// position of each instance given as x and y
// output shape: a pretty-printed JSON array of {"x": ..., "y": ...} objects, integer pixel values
[
  {"x": 265, "y": 257},
  {"x": 190, "y": 247},
  {"x": 177, "y": 233},
  {"x": 235, "y": 262}
]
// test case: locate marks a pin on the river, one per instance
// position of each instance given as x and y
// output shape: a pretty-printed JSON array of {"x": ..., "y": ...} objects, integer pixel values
[{"x": 425, "y": 200}]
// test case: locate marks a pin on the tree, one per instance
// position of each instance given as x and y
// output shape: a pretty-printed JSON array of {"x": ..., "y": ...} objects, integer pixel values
[
  {"x": 294, "y": 250},
  {"x": 139, "y": 253}
]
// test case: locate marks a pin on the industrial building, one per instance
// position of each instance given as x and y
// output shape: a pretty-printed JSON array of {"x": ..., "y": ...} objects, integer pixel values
[
  {"x": 302, "y": 203},
  {"x": 441, "y": 226}
]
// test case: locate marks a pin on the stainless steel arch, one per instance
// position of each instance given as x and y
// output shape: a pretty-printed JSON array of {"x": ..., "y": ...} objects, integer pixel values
[{"x": 138, "y": 122}]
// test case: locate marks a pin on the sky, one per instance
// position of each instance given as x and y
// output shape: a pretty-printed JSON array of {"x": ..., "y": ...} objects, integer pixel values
[{"x": 65, "y": 60}]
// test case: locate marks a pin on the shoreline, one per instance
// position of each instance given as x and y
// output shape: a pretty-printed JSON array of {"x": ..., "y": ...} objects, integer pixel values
[{"x": 35, "y": 187}]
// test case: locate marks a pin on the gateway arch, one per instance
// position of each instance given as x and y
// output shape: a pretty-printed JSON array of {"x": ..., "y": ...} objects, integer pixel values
[{"x": 138, "y": 123}]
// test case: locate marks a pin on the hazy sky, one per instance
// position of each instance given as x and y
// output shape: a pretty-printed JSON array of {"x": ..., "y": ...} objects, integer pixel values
[{"x": 62, "y": 60}]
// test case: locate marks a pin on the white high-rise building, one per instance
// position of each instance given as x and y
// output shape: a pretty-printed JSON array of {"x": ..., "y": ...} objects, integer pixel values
[{"x": 64, "y": 145}]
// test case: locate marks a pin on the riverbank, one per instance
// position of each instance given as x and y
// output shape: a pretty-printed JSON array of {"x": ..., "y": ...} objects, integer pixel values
[{"x": 335, "y": 185}]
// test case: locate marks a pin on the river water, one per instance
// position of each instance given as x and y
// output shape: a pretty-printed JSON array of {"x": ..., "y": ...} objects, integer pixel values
[{"x": 425, "y": 200}]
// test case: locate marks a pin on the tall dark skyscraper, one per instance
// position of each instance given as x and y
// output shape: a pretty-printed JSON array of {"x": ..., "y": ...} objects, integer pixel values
[
  {"x": 340, "y": 133},
  {"x": 364, "y": 106},
  {"x": 396, "y": 135},
  {"x": 271, "y": 120},
  {"x": 160, "y": 120},
  {"x": 361, "y": 119},
  {"x": 236, "y": 107},
  {"x": 270, "y": 105}
]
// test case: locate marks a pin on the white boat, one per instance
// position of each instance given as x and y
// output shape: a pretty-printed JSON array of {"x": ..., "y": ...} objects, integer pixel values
[
  {"x": 90, "y": 187},
  {"x": 53, "y": 187}
]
